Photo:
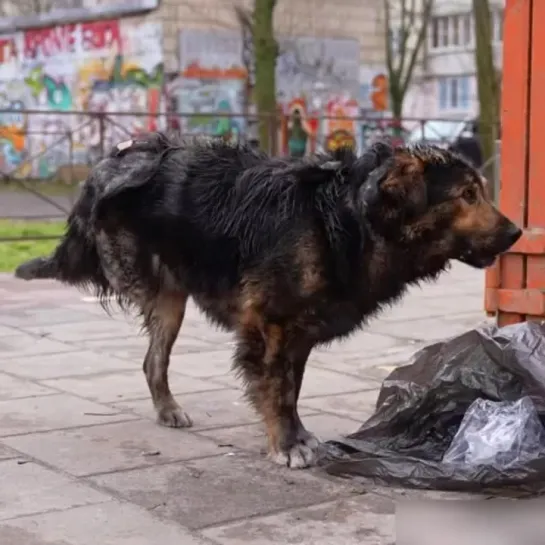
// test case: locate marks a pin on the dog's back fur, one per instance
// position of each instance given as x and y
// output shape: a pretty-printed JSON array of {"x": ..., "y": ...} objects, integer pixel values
[
  {"x": 206, "y": 217},
  {"x": 286, "y": 253}
]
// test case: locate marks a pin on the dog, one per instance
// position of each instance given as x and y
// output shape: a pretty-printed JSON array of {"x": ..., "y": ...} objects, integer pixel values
[{"x": 286, "y": 253}]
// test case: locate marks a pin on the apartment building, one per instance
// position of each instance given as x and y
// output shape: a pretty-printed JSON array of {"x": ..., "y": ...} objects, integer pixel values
[{"x": 445, "y": 83}]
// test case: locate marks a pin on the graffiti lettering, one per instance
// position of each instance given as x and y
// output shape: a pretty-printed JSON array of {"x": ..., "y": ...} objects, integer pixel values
[
  {"x": 101, "y": 35},
  {"x": 8, "y": 50},
  {"x": 45, "y": 43},
  {"x": 90, "y": 67}
]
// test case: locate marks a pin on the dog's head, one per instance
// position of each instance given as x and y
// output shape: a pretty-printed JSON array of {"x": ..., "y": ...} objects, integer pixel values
[{"x": 429, "y": 198}]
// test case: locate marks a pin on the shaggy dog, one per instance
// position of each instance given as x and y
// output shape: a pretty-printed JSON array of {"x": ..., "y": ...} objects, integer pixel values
[{"x": 286, "y": 253}]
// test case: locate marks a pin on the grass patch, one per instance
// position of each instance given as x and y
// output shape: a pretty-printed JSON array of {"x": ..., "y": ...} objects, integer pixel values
[{"x": 13, "y": 253}]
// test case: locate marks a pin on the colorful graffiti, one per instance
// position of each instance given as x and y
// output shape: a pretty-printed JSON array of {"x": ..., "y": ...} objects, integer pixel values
[
  {"x": 341, "y": 125},
  {"x": 63, "y": 74},
  {"x": 322, "y": 73},
  {"x": 200, "y": 97},
  {"x": 212, "y": 80},
  {"x": 301, "y": 130},
  {"x": 319, "y": 73}
]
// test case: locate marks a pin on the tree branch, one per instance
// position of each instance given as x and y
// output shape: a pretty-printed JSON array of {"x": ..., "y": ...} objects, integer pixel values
[
  {"x": 388, "y": 37},
  {"x": 426, "y": 16}
]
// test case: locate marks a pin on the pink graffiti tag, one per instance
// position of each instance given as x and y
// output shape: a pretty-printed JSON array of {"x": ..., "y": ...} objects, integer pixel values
[{"x": 71, "y": 39}]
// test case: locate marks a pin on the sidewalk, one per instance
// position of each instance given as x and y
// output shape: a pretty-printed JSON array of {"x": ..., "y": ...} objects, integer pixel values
[{"x": 82, "y": 461}]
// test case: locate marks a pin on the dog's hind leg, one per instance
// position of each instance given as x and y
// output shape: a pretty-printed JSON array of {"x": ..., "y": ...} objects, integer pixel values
[
  {"x": 163, "y": 318},
  {"x": 271, "y": 362}
]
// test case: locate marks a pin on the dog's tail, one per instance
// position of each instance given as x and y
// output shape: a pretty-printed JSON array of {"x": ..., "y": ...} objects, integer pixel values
[
  {"x": 39, "y": 267},
  {"x": 75, "y": 261}
]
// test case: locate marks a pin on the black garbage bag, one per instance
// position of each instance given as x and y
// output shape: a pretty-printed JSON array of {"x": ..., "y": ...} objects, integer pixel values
[{"x": 467, "y": 414}]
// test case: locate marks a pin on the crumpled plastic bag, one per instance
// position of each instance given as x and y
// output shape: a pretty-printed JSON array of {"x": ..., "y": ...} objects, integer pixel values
[
  {"x": 497, "y": 433},
  {"x": 421, "y": 407}
]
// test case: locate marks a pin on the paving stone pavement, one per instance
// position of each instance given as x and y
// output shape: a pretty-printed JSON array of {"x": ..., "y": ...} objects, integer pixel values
[{"x": 82, "y": 461}]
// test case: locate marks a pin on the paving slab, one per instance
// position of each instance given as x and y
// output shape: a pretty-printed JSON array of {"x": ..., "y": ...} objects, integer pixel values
[
  {"x": 80, "y": 448},
  {"x": 14, "y": 388},
  {"x": 28, "y": 488},
  {"x": 31, "y": 314},
  {"x": 218, "y": 408},
  {"x": 24, "y": 344},
  {"x": 85, "y": 329},
  {"x": 426, "y": 329},
  {"x": 64, "y": 364},
  {"x": 113, "y": 447},
  {"x": 359, "y": 343},
  {"x": 110, "y": 523},
  {"x": 111, "y": 387},
  {"x": 375, "y": 367},
  {"x": 204, "y": 492},
  {"x": 7, "y": 331},
  {"x": 20, "y": 416},
  {"x": 367, "y": 519},
  {"x": 134, "y": 348},
  {"x": 358, "y": 405},
  {"x": 6, "y": 453}
]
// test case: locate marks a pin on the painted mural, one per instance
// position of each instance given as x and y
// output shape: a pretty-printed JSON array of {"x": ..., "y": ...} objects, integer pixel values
[
  {"x": 63, "y": 75},
  {"x": 316, "y": 77},
  {"x": 212, "y": 81}
]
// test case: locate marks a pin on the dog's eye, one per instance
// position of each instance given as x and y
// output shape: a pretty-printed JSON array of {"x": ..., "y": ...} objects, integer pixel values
[{"x": 469, "y": 194}]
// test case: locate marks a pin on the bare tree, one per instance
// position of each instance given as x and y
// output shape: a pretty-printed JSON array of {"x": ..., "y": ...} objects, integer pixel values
[
  {"x": 406, "y": 28},
  {"x": 266, "y": 53},
  {"x": 488, "y": 84}
]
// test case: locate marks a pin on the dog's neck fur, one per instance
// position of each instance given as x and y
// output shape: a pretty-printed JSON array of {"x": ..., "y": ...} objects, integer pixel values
[{"x": 390, "y": 268}]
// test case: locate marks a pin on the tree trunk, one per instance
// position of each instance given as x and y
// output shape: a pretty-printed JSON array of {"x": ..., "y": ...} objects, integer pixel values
[
  {"x": 487, "y": 84},
  {"x": 265, "y": 51}
]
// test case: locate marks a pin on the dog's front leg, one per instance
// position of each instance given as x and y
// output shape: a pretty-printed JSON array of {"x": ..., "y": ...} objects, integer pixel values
[{"x": 272, "y": 365}]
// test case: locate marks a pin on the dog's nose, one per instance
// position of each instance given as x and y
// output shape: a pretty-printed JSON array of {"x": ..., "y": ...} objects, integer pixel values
[{"x": 514, "y": 233}]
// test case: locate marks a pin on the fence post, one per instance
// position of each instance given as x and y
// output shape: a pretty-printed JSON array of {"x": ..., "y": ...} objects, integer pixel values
[
  {"x": 102, "y": 134},
  {"x": 71, "y": 178}
]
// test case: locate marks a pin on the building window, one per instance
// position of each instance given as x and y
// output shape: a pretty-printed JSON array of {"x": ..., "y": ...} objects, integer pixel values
[
  {"x": 467, "y": 29},
  {"x": 443, "y": 32},
  {"x": 455, "y": 30},
  {"x": 454, "y": 93},
  {"x": 452, "y": 31},
  {"x": 440, "y": 36}
]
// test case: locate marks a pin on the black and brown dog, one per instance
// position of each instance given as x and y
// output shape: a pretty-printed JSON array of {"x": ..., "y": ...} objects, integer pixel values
[{"x": 288, "y": 254}]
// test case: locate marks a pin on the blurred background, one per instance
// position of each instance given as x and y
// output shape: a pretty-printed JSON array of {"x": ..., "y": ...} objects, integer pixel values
[{"x": 292, "y": 77}]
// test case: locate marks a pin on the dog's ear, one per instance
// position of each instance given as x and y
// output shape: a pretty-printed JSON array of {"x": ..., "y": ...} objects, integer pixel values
[
  {"x": 396, "y": 191},
  {"x": 405, "y": 187}
]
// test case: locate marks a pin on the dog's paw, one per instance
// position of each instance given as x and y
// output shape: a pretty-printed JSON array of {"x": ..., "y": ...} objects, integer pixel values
[
  {"x": 300, "y": 455},
  {"x": 173, "y": 417}
]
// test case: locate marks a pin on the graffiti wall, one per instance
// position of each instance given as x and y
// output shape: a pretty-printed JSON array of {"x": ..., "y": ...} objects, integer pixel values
[
  {"x": 318, "y": 79},
  {"x": 315, "y": 77},
  {"x": 211, "y": 80},
  {"x": 65, "y": 73}
]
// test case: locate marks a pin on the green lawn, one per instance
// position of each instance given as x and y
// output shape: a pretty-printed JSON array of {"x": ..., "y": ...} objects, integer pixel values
[{"x": 15, "y": 252}]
